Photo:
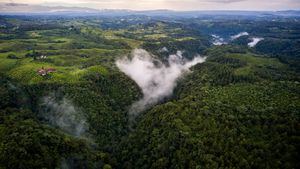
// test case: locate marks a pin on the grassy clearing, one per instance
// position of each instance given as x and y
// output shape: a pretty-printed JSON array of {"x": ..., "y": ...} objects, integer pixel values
[
  {"x": 255, "y": 62},
  {"x": 6, "y": 64},
  {"x": 156, "y": 36},
  {"x": 68, "y": 68},
  {"x": 27, "y": 73},
  {"x": 185, "y": 39}
]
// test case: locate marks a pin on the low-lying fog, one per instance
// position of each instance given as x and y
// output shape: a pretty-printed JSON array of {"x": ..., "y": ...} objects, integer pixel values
[
  {"x": 156, "y": 79},
  {"x": 239, "y": 35},
  {"x": 254, "y": 42},
  {"x": 63, "y": 114},
  {"x": 218, "y": 40}
]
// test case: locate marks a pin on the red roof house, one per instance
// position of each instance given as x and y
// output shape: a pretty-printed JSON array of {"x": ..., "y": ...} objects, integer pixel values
[{"x": 44, "y": 72}]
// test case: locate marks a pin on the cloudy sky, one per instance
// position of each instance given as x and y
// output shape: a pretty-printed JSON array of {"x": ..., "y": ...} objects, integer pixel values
[{"x": 172, "y": 4}]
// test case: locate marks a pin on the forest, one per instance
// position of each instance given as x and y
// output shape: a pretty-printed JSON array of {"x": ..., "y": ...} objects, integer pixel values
[{"x": 69, "y": 101}]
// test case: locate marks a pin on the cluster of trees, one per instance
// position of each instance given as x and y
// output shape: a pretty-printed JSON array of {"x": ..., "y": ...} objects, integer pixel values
[
  {"x": 26, "y": 142},
  {"x": 29, "y": 141},
  {"x": 190, "y": 48},
  {"x": 215, "y": 121},
  {"x": 288, "y": 51}
]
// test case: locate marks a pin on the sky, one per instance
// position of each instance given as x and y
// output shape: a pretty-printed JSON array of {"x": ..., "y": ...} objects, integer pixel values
[{"x": 182, "y": 5}]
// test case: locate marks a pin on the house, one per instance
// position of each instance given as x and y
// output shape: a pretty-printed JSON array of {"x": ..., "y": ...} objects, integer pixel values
[
  {"x": 43, "y": 57},
  {"x": 44, "y": 72}
]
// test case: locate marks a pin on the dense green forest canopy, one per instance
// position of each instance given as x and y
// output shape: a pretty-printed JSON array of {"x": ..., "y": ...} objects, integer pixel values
[{"x": 64, "y": 102}]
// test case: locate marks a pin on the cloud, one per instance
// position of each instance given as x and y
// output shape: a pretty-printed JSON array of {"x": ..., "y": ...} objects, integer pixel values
[
  {"x": 217, "y": 40},
  {"x": 239, "y": 35},
  {"x": 224, "y": 1},
  {"x": 63, "y": 114},
  {"x": 156, "y": 79},
  {"x": 254, "y": 42}
]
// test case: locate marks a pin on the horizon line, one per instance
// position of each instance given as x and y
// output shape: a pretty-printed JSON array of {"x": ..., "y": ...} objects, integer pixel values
[{"x": 143, "y": 10}]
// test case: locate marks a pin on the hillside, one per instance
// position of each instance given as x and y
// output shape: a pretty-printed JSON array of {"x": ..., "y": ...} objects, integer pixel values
[{"x": 213, "y": 97}]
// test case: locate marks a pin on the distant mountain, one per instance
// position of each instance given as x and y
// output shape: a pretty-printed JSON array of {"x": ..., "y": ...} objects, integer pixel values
[
  {"x": 25, "y": 9},
  {"x": 289, "y": 13}
]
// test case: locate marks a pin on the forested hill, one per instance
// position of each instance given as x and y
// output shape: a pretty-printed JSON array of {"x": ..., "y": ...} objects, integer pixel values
[
  {"x": 65, "y": 102},
  {"x": 235, "y": 110}
]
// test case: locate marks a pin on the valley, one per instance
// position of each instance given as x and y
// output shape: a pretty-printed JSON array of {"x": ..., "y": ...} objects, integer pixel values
[{"x": 69, "y": 87}]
